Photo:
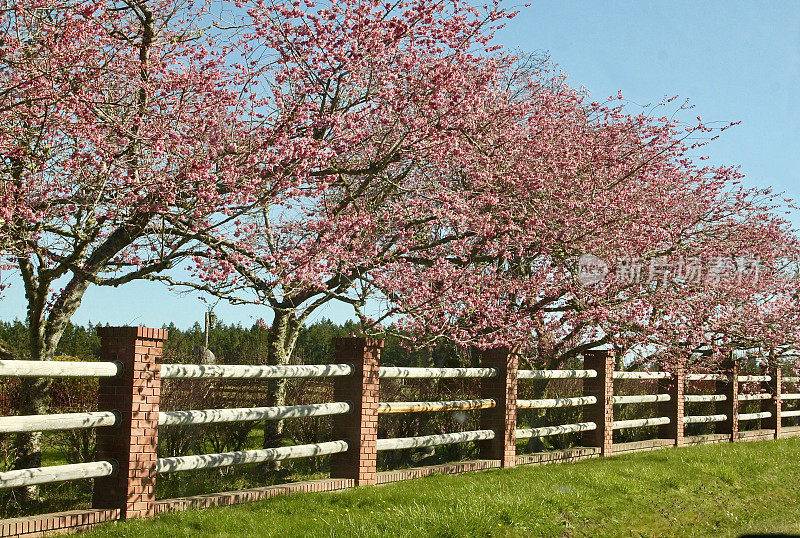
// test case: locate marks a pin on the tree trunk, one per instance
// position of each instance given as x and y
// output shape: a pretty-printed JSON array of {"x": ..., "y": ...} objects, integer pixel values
[
  {"x": 281, "y": 340},
  {"x": 44, "y": 334},
  {"x": 273, "y": 429},
  {"x": 34, "y": 400}
]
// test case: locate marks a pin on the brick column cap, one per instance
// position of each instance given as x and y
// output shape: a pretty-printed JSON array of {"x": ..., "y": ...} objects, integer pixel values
[
  {"x": 366, "y": 341},
  {"x": 132, "y": 332}
]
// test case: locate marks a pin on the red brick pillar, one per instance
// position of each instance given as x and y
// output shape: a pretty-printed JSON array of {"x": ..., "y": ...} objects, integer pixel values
[
  {"x": 772, "y": 405},
  {"x": 134, "y": 394},
  {"x": 602, "y": 388},
  {"x": 675, "y": 387},
  {"x": 730, "y": 406},
  {"x": 360, "y": 426},
  {"x": 502, "y": 418}
]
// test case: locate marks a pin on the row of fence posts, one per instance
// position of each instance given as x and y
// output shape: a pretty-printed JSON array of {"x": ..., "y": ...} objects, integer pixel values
[{"x": 135, "y": 395}]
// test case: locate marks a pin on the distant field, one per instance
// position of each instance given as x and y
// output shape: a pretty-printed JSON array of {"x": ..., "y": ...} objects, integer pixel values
[{"x": 716, "y": 490}]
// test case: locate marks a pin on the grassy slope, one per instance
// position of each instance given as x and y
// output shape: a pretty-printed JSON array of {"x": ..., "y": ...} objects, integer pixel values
[{"x": 698, "y": 491}]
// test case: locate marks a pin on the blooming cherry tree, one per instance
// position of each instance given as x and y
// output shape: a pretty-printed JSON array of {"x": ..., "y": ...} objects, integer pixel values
[
  {"x": 116, "y": 120},
  {"x": 389, "y": 156}
]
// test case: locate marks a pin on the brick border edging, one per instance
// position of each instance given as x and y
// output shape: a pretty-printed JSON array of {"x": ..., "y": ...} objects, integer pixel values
[
  {"x": 706, "y": 439},
  {"x": 568, "y": 455},
  {"x": 643, "y": 446},
  {"x": 460, "y": 467},
  {"x": 230, "y": 498},
  {"x": 790, "y": 431},
  {"x": 755, "y": 435},
  {"x": 57, "y": 523}
]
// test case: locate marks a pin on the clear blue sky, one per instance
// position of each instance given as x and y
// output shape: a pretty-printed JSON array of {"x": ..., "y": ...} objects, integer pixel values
[{"x": 735, "y": 60}]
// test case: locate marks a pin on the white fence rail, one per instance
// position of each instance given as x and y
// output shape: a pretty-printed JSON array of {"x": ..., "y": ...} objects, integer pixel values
[
  {"x": 56, "y": 473},
  {"x": 793, "y": 413},
  {"x": 754, "y": 416},
  {"x": 707, "y": 377},
  {"x": 400, "y": 443},
  {"x": 58, "y": 369},
  {"x": 639, "y": 423},
  {"x": 752, "y": 397},
  {"x": 555, "y": 374},
  {"x": 751, "y": 378},
  {"x": 700, "y": 419},
  {"x": 423, "y": 407},
  {"x": 244, "y": 371},
  {"x": 790, "y": 396},
  {"x": 555, "y": 430},
  {"x": 556, "y": 402},
  {"x": 400, "y": 372},
  {"x": 243, "y": 414},
  {"x": 698, "y": 398},
  {"x": 789, "y": 379},
  {"x": 641, "y": 398},
  {"x": 227, "y": 459},
  {"x": 63, "y": 421},
  {"x": 642, "y": 375}
]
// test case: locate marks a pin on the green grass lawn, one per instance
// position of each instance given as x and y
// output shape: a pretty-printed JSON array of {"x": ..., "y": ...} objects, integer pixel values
[{"x": 715, "y": 490}]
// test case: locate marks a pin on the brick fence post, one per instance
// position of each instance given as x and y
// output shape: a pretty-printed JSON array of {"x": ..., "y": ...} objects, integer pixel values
[
  {"x": 773, "y": 405},
  {"x": 730, "y": 406},
  {"x": 674, "y": 408},
  {"x": 134, "y": 394},
  {"x": 359, "y": 427},
  {"x": 602, "y": 388},
  {"x": 502, "y": 418}
]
